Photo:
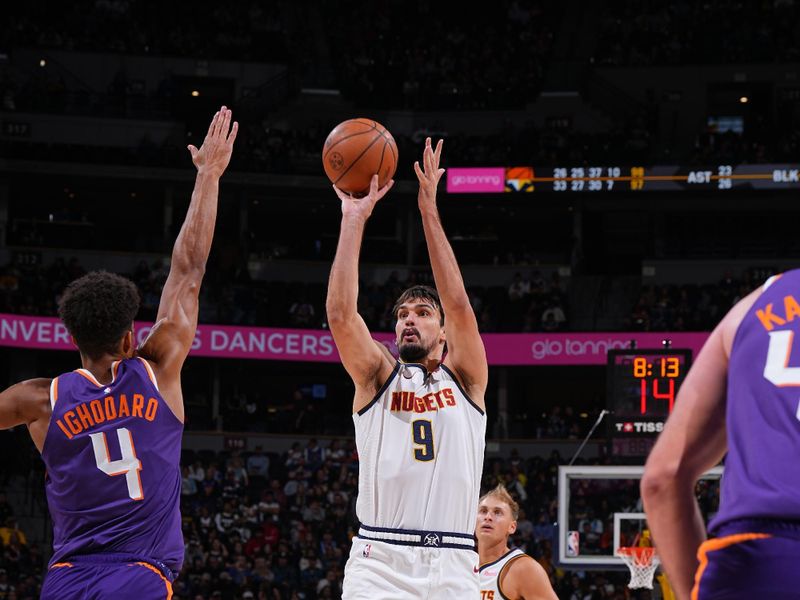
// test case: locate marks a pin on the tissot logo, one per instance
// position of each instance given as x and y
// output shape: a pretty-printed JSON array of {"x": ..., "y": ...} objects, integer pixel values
[{"x": 639, "y": 426}]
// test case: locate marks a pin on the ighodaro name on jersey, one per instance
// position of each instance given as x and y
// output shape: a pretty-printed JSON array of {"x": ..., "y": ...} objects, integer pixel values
[
  {"x": 410, "y": 402},
  {"x": 95, "y": 412}
]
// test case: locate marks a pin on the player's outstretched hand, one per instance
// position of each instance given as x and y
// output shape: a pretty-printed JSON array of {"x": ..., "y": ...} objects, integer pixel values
[
  {"x": 429, "y": 174},
  {"x": 215, "y": 153},
  {"x": 362, "y": 207}
]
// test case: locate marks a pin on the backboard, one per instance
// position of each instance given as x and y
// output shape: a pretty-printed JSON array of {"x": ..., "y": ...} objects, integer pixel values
[{"x": 600, "y": 509}]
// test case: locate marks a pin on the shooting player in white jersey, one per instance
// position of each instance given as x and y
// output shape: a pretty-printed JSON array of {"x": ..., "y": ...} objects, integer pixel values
[
  {"x": 420, "y": 423},
  {"x": 505, "y": 573}
]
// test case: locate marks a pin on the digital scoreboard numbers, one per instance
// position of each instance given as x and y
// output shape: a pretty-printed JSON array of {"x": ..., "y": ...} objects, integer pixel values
[
  {"x": 642, "y": 388},
  {"x": 598, "y": 178},
  {"x": 669, "y": 178},
  {"x": 579, "y": 179}
]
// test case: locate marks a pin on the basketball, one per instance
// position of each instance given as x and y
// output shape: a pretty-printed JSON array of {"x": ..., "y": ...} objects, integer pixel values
[{"x": 356, "y": 150}]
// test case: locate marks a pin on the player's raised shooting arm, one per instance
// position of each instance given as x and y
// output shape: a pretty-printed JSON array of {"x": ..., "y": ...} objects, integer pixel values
[
  {"x": 694, "y": 440},
  {"x": 366, "y": 364},
  {"x": 171, "y": 338},
  {"x": 465, "y": 351}
]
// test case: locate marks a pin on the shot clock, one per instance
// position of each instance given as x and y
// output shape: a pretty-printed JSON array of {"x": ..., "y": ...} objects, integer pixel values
[{"x": 642, "y": 387}]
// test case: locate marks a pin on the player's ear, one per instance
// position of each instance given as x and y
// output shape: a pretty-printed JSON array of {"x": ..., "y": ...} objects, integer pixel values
[
  {"x": 512, "y": 528},
  {"x": 127, "y": 343}
]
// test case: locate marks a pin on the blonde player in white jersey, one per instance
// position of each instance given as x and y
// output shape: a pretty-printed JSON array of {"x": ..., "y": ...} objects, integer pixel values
[
  {"x": 507, "y": 574},
  {"x": 420, "y": 423}
]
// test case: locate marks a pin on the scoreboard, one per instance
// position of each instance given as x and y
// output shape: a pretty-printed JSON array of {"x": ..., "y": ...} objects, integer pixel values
[
  {"x": 642, "y": 387},
  {"x": 667, "y": 179},
  {"x": 600, "y": 178}
]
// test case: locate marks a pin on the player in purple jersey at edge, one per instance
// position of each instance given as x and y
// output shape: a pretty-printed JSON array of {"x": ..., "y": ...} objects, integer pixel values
[
  {"x": 740, "y": 397},
  {"x": 110, "y": 432}
]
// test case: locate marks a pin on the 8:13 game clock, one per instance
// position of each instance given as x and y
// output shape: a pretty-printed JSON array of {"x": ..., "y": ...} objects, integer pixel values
[{"x": 642, "y": 387}]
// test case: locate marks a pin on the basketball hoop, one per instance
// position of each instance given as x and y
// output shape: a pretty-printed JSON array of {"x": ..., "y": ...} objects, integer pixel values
[{"x": 642, "y": 562}]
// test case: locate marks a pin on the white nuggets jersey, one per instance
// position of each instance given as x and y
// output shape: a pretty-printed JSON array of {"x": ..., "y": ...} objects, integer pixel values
[
  {"x": 490, "y": 574},
  {"x": 420, "y": 448}
]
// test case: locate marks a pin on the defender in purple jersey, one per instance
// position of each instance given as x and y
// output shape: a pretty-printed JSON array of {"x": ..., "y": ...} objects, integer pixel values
[
  {"x": 110, "y": 432},
  {"x": 740, "y": 397}
]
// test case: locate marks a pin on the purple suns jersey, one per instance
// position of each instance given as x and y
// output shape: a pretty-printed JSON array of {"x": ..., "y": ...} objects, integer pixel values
[
  {"x": 763, "y": 410},
  {"x": 112, "y": 454}
]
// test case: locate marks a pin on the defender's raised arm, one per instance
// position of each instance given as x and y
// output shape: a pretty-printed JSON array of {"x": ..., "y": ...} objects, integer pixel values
[{"x": 173, "y": 333}]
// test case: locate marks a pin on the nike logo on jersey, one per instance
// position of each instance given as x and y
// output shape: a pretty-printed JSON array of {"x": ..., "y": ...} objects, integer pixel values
[{"x": 409, "y": 402}]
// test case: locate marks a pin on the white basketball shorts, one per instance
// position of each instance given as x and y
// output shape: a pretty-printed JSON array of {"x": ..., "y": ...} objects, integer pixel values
[{"x": 381, "y": 571}]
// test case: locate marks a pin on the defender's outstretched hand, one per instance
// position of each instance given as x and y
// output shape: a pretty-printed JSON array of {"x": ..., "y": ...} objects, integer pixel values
[
  {"x": 215, "y": 153},
  {"x": 430, "y": 174},
  {"x": 362, "y": 207}
]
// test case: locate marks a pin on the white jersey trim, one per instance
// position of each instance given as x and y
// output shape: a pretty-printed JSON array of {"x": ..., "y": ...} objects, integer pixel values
[
  {"x": 494, "y": 562},
  {"x": 507, "y": 559},
  {"x": 53, "y": 392},
  {"x": 770, "y": 281},
  {"x": 88, "y": 374},
  {"x": 380, "y": 391},
  {"x": 150, "y": 372}
]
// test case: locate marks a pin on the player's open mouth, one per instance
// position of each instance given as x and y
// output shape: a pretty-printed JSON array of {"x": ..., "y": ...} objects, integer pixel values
[
  {"x": 486, "y": 527},
  {"x": 409, "y": 333}
]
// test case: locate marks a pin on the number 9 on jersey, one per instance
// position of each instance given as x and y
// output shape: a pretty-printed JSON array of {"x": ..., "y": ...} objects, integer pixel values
[{"x": 422, "y": 433}]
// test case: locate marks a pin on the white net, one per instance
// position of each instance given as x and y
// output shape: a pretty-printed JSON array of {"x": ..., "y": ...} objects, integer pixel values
[{"x": 642, "y": 562}]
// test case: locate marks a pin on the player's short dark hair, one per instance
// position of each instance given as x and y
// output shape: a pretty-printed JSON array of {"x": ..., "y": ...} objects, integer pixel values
[
  {"x": 98, "y": 309},
  {"x": 420, "y": 292}
]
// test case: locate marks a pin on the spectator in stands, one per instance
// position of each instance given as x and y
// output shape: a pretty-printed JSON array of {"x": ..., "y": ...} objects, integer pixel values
[
  {"x": 197, "y": 472},
  {"x": 188, "y": 483},
  {"x": 519, "y": 288},
  {"x": 524, "y": 526},
  {"x": 258, "y": 467},
  {"x": 314, "y": 512},
  {"x": 11, "y": 532},
  {"x": 294, "y": 456},
  {"x": 6, "y": 589},
  {"x": 544, "y": 528},
  {"x": 314, "y": 454},
  {"x": 302, "y": 313},
  {"x": 553, "y": 317}
]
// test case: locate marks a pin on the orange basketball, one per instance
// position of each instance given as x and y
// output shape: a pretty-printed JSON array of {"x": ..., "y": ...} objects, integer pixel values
[{"x": 357, "y": 149}]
